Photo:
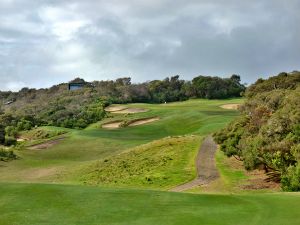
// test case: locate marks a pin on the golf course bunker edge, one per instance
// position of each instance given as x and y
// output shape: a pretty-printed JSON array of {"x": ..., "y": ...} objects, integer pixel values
[
  {"x": 230, "y": 106},
  {"x": 132, "y": 123}
]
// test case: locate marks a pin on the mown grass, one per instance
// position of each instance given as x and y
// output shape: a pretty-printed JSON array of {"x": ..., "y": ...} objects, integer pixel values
[
  {"x": 83, "y": 147},
  {"x": 32, "y": 204}
]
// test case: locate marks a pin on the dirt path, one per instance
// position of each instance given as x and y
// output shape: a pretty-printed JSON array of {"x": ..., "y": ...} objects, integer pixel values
[{"x": 205, "y": 165}]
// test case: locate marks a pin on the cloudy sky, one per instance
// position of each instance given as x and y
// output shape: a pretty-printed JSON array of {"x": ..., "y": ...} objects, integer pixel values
[{"x": 44, "y": 42}]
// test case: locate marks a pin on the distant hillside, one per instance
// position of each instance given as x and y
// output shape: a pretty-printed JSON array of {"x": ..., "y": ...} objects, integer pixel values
[
  {"x": 78, "y": 103},
  {"x": 268, "y": 132}
]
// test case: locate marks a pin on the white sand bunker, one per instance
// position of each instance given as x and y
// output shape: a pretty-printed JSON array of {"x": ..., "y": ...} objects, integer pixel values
[
  {"x": 143, "y": 121},
  {"x": 114, "y": 108},
  {"x": 137, "y": 122},
  {"x": 112, "y": 125},
  {"x": 230, "y": 106},
  {"x": 130, "y": 110}
]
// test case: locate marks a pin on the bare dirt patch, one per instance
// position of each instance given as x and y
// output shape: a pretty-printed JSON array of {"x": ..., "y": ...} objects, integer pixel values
[
  {"x": 112, "y": 125},
  {"x": 230, "y": 106},
  {"x": 131, "y": 111},
  {"x": 205, "y": 165},
  {"x": 143, "y": 121},
  {"x": 46, "y": 144},
  {"x": 115, "y": 108},
  {"x": 258, "y": 180},
  {"x": 41, "y": 173}
]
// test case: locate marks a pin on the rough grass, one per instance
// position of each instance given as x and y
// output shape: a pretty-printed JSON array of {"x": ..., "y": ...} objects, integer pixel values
[
  {"x": 158, "y": 164},
  {"x": 32, "y": 204},
  {"x": 231, "y": 178}
]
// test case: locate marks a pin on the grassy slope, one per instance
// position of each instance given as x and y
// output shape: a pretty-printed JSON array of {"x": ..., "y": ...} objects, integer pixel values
[
  {"x": 159, "y": 164},
  {"x": 41, "y": 204},
  {"x": 199, "y": 117}
]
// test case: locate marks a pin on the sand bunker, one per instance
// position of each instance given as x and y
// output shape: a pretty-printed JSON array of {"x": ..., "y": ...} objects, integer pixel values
[
  {"x": 112, "y": 125},
  {"x": 46, "y": 144},
  {"x": 21, "y": 139},
  {"x": 230, "y": 106},
  {"x": 137, "y": 122},
  {"x": 114, "y": 108},
  {"x": 143, "y": 121},
  {"x": 131, "y": 110}
]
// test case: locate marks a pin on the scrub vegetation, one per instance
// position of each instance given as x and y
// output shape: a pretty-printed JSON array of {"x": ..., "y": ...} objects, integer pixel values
[{"x": 267, "y": 134}]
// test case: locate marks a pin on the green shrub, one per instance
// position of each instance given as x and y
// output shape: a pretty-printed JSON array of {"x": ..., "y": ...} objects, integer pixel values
[
  {"x": 10, "y": 141},
  {"x": 291, "y": 179},
  {"x": 268, "y": 131},
  {"x": 6, "y": 155}
]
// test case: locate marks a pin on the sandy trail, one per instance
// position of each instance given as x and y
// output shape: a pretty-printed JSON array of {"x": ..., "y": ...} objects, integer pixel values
[
  {"x": 205, "y": 165},
  {"x": 230, "y": 106}
]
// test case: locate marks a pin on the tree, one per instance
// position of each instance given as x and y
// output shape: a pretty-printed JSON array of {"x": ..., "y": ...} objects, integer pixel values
[{"x": 268, "y": 132}]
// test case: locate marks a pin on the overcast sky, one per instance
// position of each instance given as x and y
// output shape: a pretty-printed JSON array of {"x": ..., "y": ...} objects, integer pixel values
[{"x": 44, "y": 42}]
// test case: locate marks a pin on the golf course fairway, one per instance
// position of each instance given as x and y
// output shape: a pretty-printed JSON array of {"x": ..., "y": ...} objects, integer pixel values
[
  {"x": 42, "y": 204},
  {"x": 123, "y": 176}
]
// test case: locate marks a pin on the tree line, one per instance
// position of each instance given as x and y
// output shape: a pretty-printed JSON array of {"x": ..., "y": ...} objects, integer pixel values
[
  {"x": 267, "y": 134},
  {"x": 58, "y": 106}
]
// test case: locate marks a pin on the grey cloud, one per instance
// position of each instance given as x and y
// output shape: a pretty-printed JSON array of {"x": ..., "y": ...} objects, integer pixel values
[{"x": 45, "y": 42}]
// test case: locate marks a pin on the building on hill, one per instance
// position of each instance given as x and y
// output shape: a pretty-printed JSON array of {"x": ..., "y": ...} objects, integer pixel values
[
  {"x": 79, "y": 83},
  {"x": 75, "y": 86}
]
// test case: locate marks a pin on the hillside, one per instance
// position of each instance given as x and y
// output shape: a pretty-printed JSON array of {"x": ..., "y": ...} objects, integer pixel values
[
  {"x": 80, "y": 103},
  {"x": 137, "y": 148},
  {"x": 67, "y": 160}
]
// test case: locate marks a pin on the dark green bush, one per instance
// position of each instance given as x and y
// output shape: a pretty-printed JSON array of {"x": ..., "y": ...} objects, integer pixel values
[
  {"x": 10, "y": 141},
  {"x": 7, "y": 155},
  {"x": 291, "y": 179}
]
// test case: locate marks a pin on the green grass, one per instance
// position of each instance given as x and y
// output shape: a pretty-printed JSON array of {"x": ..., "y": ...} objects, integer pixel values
[
  {"x": 82, "y": 147},
  {"x": 230, "y": 177},
  {"x": 159, "y": 164},
  {"x": 157, "y": 155},
  {"x": 32, "y": 204}
]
